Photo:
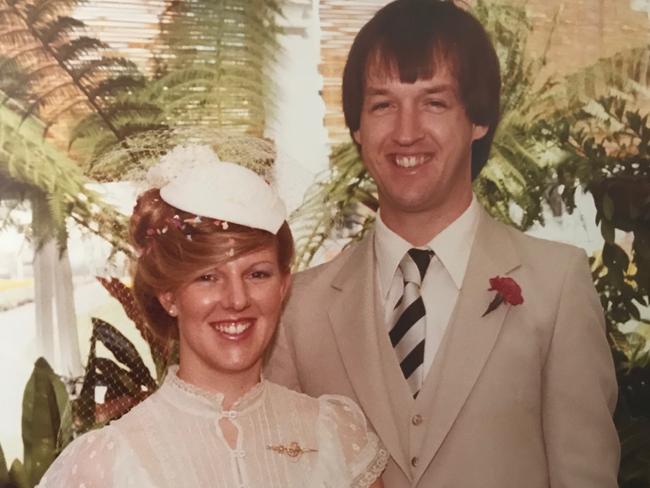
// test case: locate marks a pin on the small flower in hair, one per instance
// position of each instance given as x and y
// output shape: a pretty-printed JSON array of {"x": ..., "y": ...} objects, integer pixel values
[
  {"x": 193, "y": 220},
  {"x": 177, "y": 222}
]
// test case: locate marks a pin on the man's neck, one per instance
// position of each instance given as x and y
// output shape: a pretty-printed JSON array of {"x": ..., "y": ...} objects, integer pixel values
[{"x": 419, "y": 228}]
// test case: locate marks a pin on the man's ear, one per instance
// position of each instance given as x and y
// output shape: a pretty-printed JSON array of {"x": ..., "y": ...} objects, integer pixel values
[
  {"x": 478, "y": 131},
  {"x": 168, "y": 302},
  {"x": 357, "y": 136}
]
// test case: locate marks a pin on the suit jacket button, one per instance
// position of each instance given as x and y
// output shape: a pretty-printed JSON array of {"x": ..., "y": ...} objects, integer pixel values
[
  {"x": 416, "y": 419},
  {"x": 414, "y": 461}
]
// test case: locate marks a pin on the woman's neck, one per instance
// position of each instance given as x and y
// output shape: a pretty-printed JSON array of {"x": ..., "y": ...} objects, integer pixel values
[{"x": 232, "y": 385}]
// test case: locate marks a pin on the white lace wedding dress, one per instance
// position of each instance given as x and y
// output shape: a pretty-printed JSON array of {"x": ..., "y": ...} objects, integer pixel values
[{"x": 174, "y": 439}]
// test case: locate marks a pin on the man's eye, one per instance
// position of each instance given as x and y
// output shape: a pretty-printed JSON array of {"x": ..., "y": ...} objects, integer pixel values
[
  {"x": 379, "y": 106},
  {"x": 436, "y": 103},
  {"x": 208, "y": 277},
  {"x": 260, "y": 274}
]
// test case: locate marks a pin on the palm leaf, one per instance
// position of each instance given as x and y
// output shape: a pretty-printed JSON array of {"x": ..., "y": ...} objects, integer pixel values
[
  {"x": 63, "y": 66},
  {"x": 26, "y": 159},
  {"x": 59, "y": 29},
  {"x": 341, "y": 206},
  {"x": 212, "y": 59}
]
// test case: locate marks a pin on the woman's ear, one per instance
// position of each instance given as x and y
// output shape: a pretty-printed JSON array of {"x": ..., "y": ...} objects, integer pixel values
[{"x": 168, "y": 302}]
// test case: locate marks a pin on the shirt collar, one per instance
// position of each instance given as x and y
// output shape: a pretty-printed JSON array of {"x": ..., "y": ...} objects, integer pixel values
[
  {"x": 194, "y": 399},
  {"x": 452, "y": 246}
]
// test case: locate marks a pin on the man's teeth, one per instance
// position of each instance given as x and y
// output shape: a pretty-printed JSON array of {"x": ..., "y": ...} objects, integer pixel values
[
  {"x": 233, "y": 327},
  {"x": 409, "y": 161}
]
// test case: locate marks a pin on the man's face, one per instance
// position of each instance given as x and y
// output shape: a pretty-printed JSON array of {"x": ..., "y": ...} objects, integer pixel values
[{"x": 416, "y": 142}]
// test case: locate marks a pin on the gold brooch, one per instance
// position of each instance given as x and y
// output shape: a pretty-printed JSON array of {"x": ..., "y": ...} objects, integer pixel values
[{"x": 293, "y": 450}]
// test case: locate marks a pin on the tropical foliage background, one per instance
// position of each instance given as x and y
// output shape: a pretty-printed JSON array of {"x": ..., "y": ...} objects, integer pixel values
[{"x": 74, "y": 111}]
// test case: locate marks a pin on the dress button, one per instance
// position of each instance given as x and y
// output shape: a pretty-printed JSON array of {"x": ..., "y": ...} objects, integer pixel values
[
  {"x": 416, "y": 419},
  {"x": 414, "y": 461}
]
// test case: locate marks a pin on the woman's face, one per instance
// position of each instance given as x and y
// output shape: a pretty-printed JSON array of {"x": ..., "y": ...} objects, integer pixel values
[{"x": 227, "y": 316}]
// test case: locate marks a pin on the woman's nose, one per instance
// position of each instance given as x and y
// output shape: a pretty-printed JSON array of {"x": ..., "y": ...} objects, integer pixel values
[{"x": 235, "y": 295}]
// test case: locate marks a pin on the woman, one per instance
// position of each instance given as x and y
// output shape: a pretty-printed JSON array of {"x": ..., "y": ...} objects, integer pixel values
[{"x": 213, "y": 273}]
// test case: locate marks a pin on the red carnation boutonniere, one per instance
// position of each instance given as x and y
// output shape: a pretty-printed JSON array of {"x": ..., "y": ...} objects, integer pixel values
[{"x": 507, "y": 291}]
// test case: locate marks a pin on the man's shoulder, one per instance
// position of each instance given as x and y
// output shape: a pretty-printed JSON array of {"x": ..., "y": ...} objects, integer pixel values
[
  {"x": 325, "y": 273},
  {"x": 533, "y": 248}
]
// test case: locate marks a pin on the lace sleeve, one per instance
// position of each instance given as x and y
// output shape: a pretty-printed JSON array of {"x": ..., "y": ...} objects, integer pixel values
[
  {"x": 86, "y": 463},
  {"x": 343, "y": 429}
]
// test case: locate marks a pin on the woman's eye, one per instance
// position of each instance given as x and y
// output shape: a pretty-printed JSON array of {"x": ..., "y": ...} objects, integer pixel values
[{"x": 208, "y": 277}]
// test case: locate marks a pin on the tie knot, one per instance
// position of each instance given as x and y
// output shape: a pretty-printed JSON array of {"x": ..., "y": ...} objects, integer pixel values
[{"x": 414, "y": 265}]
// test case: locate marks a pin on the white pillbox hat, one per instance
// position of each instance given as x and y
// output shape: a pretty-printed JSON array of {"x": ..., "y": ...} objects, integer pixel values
[{"x": 225, "y": 191}]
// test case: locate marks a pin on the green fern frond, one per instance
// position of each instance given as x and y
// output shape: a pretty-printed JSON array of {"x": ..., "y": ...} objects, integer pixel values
[
  {"x": 109, "y": 88},
  {"x": 54, "y": 180},
  {"x": 77, "y": 48},
  {"x": 40, "y": 11},
  {"x": 341, "y": 206},
  {"x": 50, "y": 97},
  {"x": 64, "y": 67},
  {"x": 97, "y": 67},
  {"x": 88, "y": 126},
  {"x": 59, "y": 29},
  {"x": 13, "y": 82}
]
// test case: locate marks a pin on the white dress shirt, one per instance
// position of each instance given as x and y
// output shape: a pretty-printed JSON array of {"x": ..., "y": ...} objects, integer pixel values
[{"x": 441, "y": 285}]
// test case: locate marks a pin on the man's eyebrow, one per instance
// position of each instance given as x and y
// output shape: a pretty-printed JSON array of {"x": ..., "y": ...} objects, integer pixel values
[
  {"x": 371, "y": 91},
  {"x": 438, "y": 88},
  {"x": 444, "y": 87}
]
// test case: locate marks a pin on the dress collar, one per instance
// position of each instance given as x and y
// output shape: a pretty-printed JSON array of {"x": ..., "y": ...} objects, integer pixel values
[
  {"x": 452, "y": 247},
  {"x": 193, "y": 399}
]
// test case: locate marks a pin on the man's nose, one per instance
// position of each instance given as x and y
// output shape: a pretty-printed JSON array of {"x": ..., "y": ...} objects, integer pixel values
[
  {"x": 235, "y": 296},
  {"x": 408, "y": 128}
]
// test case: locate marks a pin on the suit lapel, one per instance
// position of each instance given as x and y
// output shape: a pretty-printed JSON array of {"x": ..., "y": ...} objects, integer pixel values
[
  {"x": 368, "y": 357},
  {"x": 469, "y": 338}
]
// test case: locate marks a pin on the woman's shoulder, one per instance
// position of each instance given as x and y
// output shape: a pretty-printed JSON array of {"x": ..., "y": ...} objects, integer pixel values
[
  {"x": 327, "y": 402},
  {"x": 87, "y": 459},
  {"x": 137, "y": 417},
  {"x": 298, "y": 401},
  {"x": 339, "y": 410}
]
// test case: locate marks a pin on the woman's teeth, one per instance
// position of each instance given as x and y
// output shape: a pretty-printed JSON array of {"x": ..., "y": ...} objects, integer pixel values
[{"x": 233, "y": 328}]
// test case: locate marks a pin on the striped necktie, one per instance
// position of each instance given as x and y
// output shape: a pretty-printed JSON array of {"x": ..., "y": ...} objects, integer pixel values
[{"x": 408, "y": 332}]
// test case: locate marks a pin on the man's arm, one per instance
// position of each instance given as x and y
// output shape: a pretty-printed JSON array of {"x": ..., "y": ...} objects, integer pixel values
[{"x": 579, "y": 389}]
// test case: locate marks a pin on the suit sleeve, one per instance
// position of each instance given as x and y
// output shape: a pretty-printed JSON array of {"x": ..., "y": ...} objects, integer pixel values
[{"x": 579, "y": 389}]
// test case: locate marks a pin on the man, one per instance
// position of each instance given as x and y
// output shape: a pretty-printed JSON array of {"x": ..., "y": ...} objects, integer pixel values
[{"x": 467, "y": 387}]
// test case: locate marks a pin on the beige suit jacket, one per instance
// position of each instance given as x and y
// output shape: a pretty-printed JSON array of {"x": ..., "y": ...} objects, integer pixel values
[{"x": 522, "y": 397}]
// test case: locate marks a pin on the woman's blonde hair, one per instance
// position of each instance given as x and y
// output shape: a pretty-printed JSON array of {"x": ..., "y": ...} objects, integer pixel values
[{"x": 175, "y": 247}]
